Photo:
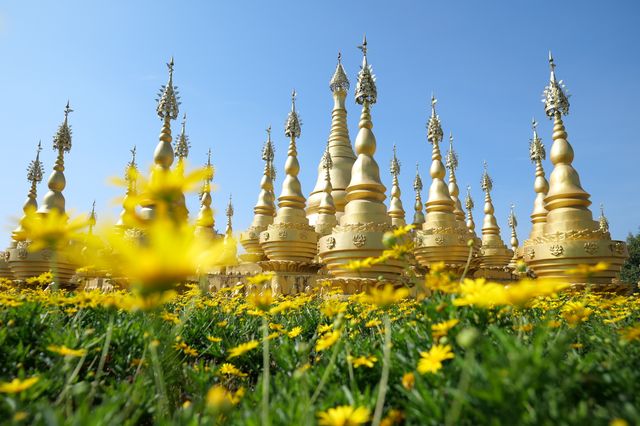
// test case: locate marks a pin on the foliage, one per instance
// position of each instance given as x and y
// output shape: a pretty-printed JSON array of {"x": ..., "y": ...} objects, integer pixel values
[
  {"x": 631, "y": 269},
  {"x": 95, "y": 358}
]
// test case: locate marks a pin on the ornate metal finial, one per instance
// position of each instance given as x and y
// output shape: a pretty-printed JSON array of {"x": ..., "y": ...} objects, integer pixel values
[
  {"x": 62, "y": 139},
  {"x": 603, "y": 222},
  {"x": 209, "y": 168},
  {"x": 417, "y": 182},
  {"x": 132, "y": 164},
  {"x": 339, "y": 81},
  {"x": 486, "y": 183},
  {"x": 554, "y": 97},
  {"x": 35, "y": 171},
  {"x": 327, "y": 162},
  {"x": 366, "y": 90},
  {"x": 434, "y": 129},
  {"x": 537, "y": 152},
  {"x": 452, "y": 157},
  {"x": 468, "y": 201},
  {"x": 183, "y": 144},
  {"x": 168, "y": 98},
  {"x": 511, "y": 220},
  {"x": 292, "y": 126},
  {"x": 229, "y": 213},
  {"x": 92, "y": 217},
  {"x": 395, "y": 164}
]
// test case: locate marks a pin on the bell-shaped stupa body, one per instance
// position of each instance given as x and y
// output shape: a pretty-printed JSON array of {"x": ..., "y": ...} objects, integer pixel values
[
  {"x": 326, "y": 218},
  {"x": 290, "y": 238},
  {"x": 494, "y": 254},
  {"x": 340, "y": 149},
  {"x": 365, "y": 220},
  {"x": 570, "y": 236},
  {"x": 264, "y": 210},
  {"x": 443, "y": 236},
  {"x": 127, "y": 219},
  {"x": 205, "y": 222}
]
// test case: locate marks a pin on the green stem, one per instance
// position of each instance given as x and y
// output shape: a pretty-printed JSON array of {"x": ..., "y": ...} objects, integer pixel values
[
  {"x": 158, "y": 377},
  {"x": 327, "y": 371},
  {"x": 71, "y": 378},
  {"x": 463, "y": 386},
  {"x": 466, "y": 267},
  {"x": 384, "y": 378},
  {"x": 265, "y": 372},
  {"x": 352, "y": 380},
  {"x": 103, "y": 359}
]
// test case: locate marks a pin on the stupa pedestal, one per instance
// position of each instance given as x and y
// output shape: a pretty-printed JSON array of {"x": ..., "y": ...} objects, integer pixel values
[{"x": 25, "y": 264}]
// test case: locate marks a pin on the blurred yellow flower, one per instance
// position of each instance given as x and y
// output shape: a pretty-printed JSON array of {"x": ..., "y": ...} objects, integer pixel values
[
  {"x": 231, "y": 370},
  {"x": 221, "y": 399},
  {"x": 295, "y": 332},
  {"x": 385, "y": 296},
  {"x": 366, "y": 361},
  {"x": 344, "y": 415},
  {"x": 331, "y": 308},
  {"x": 327, "y": 340},
  {"x": 53, "y": 230},
  {"x": 373, "y": 323},
  {"x": 408, "y": 380},
  {"x": 262, "y": 300},
  {"x": 631, "y": 333},
  {"x": 260, "y": 279},
  {"x": 575, "y": 312},
  {"x": 442, "y": 328},
  {"x": 214, "y": 339},
  {"x": 65, "y": 351},
  {"x": 17, "y": 385},
  {"x": 431, "y": 362},
  {"x": 242, "y": 348}
]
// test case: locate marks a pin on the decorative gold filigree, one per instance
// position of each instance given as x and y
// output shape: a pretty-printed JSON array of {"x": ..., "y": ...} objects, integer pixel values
[
  {"x": 330, "y": 243},
  {"x": 359, "y": 240},
  {"x": 556, "y": 250},
  {"x": 591, "y": 247},
  {"x": 530, "y": 252}
]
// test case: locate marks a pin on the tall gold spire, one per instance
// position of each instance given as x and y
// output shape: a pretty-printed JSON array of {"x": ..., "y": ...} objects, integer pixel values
[
  {"x": 57, "y": 182},
  {"x": 265, "y": 209},
  {"x": 537, "y": 153},
  {"x": 163, "y": 156},
  {"x": 454, "y": 191},
  {"x": 570, "y": 237},
  {"x": 326, "y": 219},
  {"x": 290, "y": 238},
  {"x": 339, "y": 148},
  {"x": 468, "y": 203},
  {"x": 365, "y": 220},
  {"x": 418, "y": 216},
  {"x": 229, "y": 245},
  {"x": 603, "y": 223},
  {"x": 513, "y": 223},
  {"x": 183, "y": 144},
  {"x": 205, "y": 222},
  {"x": 229, "y": 213},
  {"x": 92, "y": 218},
  {"x": 35, "y": 172},
  {"x": 128, "y": 213},
  {"x": 495, "y": 254},
  {"x": 396, "y": 211},
  {"x": 439, "y": 197}
]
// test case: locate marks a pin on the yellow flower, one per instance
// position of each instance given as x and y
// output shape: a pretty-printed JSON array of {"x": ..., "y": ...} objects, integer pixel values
[
  {"x": 65, "y": 351},
  {"x": 554, "y": 324},
  {"x": 442, "y": 328},
  {"x": 367, "y": 361},
  {"x": 408, "y": 380},
  {"x": 170, "y": 317},
  {"x": 231, "y": 370},
  {"x": 261, "y": 300},
  {"x": 631, "y": 333},
  {"x": 17, "y": 385},
  {"x": 324, "y": 328},
  {"x": 431, "y": 361},
  {"x": 618, "y": 422},
  {"x": 575, "y": 312},
  {"x": 327, "y": 340},
  {"x": 331, "y": 308},
  {"x": 219, "y": 398},
  {"x": 524, "y": 328},
  {"x": 53, "y": 230},
  {"x": 242, "y": 348},
  {"x": 214, "y": 339},
  {"x": 393, "y": 417},
  {"x": 295, "y": 332},
  {"x": 373, "y": 323},
  {"x": 344, "y": 415},
  {"x": 222, "y": 324},
  {"x": 588, "y": 270},
  {"x": 386, "y": 296}
]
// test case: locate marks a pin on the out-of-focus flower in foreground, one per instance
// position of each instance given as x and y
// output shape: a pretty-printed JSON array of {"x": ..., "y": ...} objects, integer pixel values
[
  {"x": 344, "y": 415},
  {"x": 17, "y": 385},
  {"x": 431, "y": 361}
]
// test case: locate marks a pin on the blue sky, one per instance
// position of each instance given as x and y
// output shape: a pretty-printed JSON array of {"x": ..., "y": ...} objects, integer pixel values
[{"x": 236, "y": 63}]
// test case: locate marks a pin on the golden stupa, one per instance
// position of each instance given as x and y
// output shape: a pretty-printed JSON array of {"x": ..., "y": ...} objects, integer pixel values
[
  {"x": 290, "y": 243},
  {"x": 342, "y": 156},
  {"x": 24, "y": 263},
  {"x": 205, "y": 222},
  {"x": 512, "y": 221},
  {"x": 264, "y": 210},
  {"x": 418, "y": 216},
  {"x": 365, "y": 220},
  {"x": 494, "y": 254},
  {"x": 444, "y": 236},
  {"x": 570, "y": 237},
  {"x": 396, "y": 211},
  {"x": 326, "y": 216}
]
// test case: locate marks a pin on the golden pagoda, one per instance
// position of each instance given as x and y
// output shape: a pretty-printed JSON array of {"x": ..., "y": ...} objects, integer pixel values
[
  {"x": 264, "y": 210},
  {"x": 229, "y": 245},
  {"x": 537, "y": 154},
  {"x": 127, "y": 219},
  {"x": 359, "y": 233},
  {"x": 570, "y": 235},
  {"x": 326, "y": 216},
  {"x": 163, "y": 156},
  {"x": 340, "y": 149},
  {"x": 181, "y": 150},
  {"x": 396, "y": 211},
  {"x": 443, "y": 238},
  {"x": 494, "y": 254},
  {"x": 452, "y": 165},
  {"x": 24, "y": 263},
  {"x": 418, "y": 216},
  {"x": 290, "y": 243},
  {"x": 512, "y": 221},
  {"x": 205, "y": 222}
]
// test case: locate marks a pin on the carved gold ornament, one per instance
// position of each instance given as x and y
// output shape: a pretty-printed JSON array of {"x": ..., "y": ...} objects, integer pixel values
[{"x": 359, "y": 240}]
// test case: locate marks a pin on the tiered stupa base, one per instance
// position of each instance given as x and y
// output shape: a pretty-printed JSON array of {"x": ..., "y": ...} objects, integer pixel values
[
  {"x": 250, "y": 240},
  {"x": 450, "y": 248},
  {"x": 494, "y": 261},
  {"x": 290, "y": 277},
  {"x": 562, "y": 259},
  {"x": 289, "y": 241},
  {"x": 351, "y": 243},
  {"x": 5, "y": 271},
  {"x": 25, "y": 264}
]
